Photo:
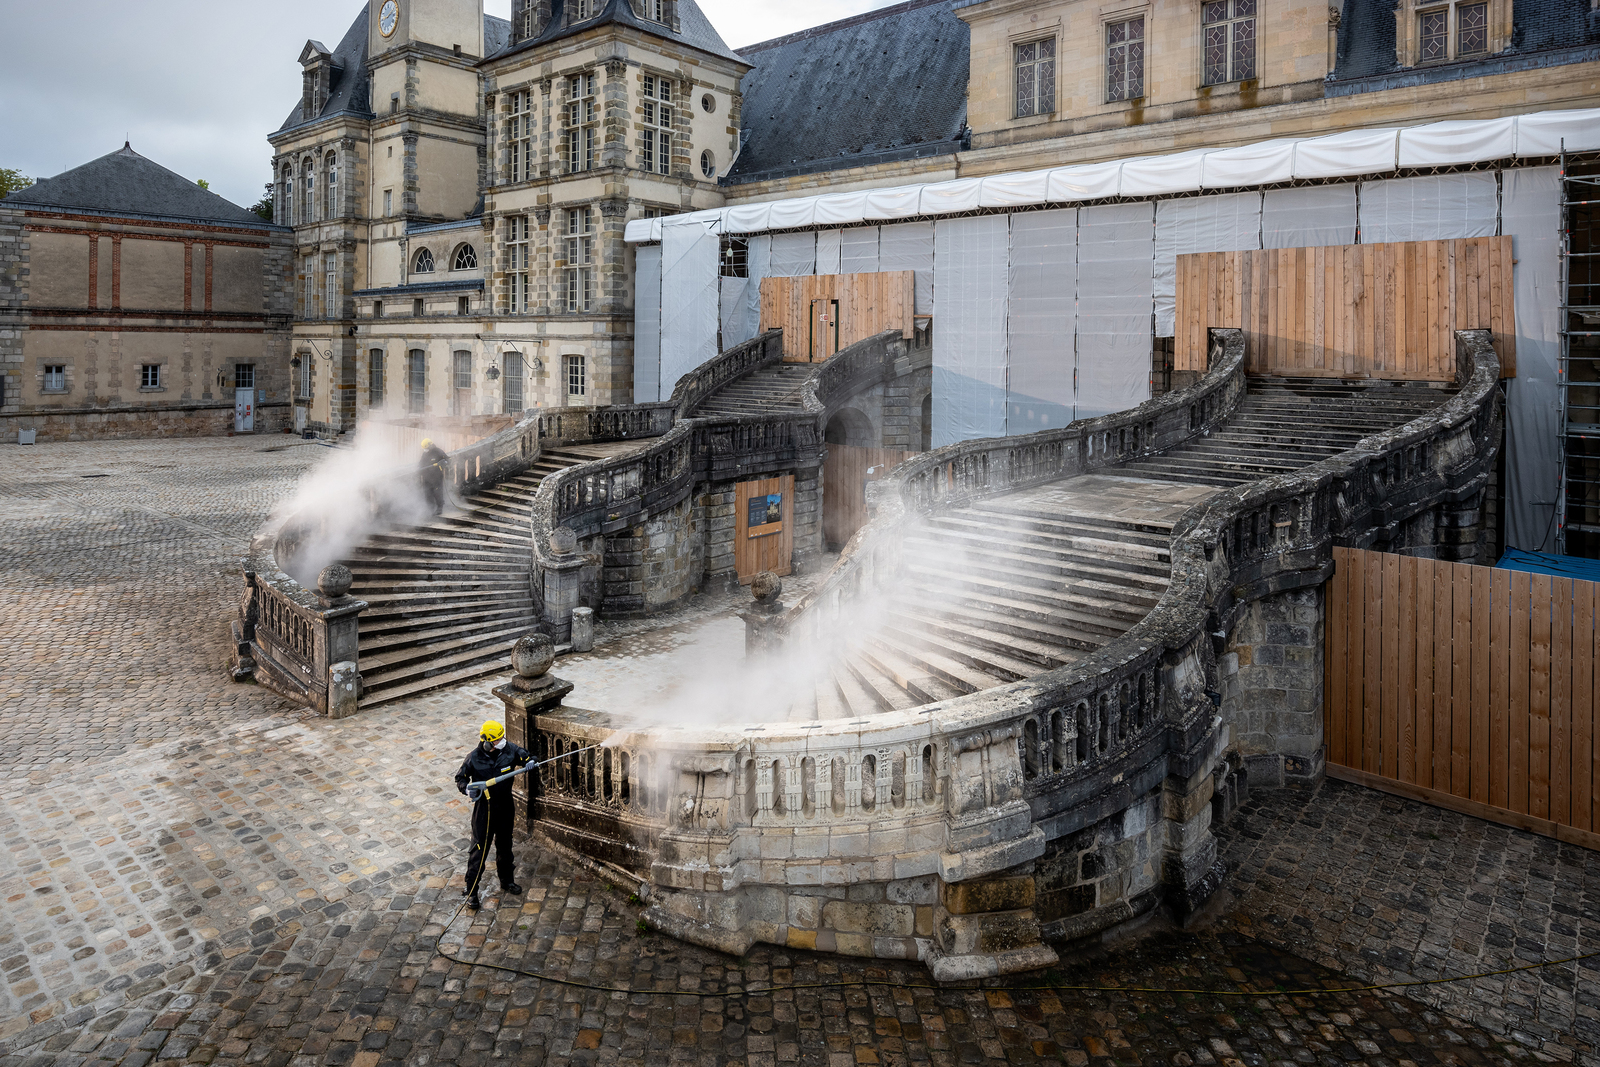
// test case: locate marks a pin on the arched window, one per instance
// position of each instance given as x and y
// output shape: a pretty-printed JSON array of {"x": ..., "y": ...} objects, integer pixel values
[
  {"x": 466, "y": 259},
  {"x": 424, "y": 263},
  {"x": 308, "y": 202},
  {"x": 331, "y": 209}
]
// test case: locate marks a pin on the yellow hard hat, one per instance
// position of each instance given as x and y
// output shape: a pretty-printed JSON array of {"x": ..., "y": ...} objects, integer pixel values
[
  {"x": 427, "y": 442},
  {"x": 492, "y": 731}
]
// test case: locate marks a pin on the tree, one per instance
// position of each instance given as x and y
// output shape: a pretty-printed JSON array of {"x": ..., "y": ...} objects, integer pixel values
[
  {"x": 202, "y": 183},
  {"x": 12, "y": 180},
  {"x": 263, "y": 207}
]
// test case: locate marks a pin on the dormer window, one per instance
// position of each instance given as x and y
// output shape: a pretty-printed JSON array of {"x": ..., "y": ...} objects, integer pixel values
[
  {"x": 655, "y": 10},
  {"x": 424, "y": 263},
  {"x": 583, "y": 9}
]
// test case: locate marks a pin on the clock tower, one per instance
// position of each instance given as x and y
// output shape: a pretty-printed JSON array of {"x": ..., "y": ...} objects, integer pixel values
[{"x": 450, "y": 25}]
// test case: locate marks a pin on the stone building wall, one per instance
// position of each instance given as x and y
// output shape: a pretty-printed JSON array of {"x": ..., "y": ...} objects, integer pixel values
[
  {"x": 1271, "y": 676},
  {"x": 13, "y": 300}
]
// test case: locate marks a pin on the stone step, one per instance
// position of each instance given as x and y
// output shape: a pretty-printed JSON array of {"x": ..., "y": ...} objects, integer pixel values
[
  {"x": 984, "y": 658},
  {"x": 369, "y": 565},
  {"x": 858, "y": 698},
  {"x": 829, "y": 704},
  {"x": 1050, "y": 633},
  {"x": 1156, "y": 472},
  {"x": 378, "y": 644},
  {"x": 414, "y": 605},
  {"x": 1060, "y": 535},
  {"x": 925, "y": 669},
  {"x": 444, "y": 583},
  {"x": 391, "y": 625},
  {"x": 913, "y": 680},
  {"x": 1025, "y": 558},
  {"x": 878, "y": 685},
  {"x": 971, "y": 632},
  {"x": 995, "y": 598},
  {"x": 380, "y": 672},
  {"x": 1110, "y": 597},
  {"x": 469, "y": 669},
  {"x": 1023, "y": 513}
]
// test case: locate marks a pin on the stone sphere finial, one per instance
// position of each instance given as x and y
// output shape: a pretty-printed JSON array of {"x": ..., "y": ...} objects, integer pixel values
[
  {"x": 334, "y": 581},
  {"x": 563, "y": 542},
  {"x": 533, "y": 655},
  {"x": 766, "y": 586}
]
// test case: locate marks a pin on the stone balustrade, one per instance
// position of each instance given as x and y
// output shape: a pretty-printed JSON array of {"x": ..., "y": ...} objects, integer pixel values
[{"x": 742, "y": 359}]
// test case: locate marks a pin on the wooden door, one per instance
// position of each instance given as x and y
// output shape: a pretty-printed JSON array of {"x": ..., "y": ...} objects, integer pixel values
[
  {"x": 824, "y": 329},
  {"x": 763, "y": 534},
  {"x": 845, "y": 474}
]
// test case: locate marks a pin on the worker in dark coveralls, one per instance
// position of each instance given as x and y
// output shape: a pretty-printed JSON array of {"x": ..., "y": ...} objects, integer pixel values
[
  {"x": 494, "y": 814},
  {"x": 435, "y": 463}
]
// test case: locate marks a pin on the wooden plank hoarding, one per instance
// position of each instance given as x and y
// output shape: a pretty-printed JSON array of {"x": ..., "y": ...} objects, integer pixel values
[{"x": 822, "y": 313}]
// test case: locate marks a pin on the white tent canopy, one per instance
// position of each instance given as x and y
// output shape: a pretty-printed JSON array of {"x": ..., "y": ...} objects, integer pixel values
[{"x": 1339, "y": 155}]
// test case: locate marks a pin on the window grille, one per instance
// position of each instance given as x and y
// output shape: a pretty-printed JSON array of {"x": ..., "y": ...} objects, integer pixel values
[
  {"x": 579, "y": 254},
  {"x": 512, "y": 376},
  {"x": 286, "y": 197},
  {"x": 331, "y": 210},
  {"x": 1036, "y": 77},
  {"x": 1229, "y": 29},
  {"x": 519, "y": 137},
  {"x": 309, "y": 200},
  {"x": 655, "y": 10},
  {"x": 1434, "y": 35},
  {"x": 517, "y": 259},
  {"x": 655, "y": 140},
  {"x": 244, "y": 375},
  {"x": 1125, "y": 59},
  {"x": 575, "y": 376},
  {"x": 424, "y": 263},
  {"x": 311, "y": 289},
  {"x": 306, "y": 360},
  {"x": 150, "y": 376},
  {"x": 466, "y": 258},
  {"x": 55, "y": 378},
  {"x": 463, "y": 370},
  {"x": 582, "y": 9},
  {"x": 582, "y": 134},
  {"x": 1472, "y": 29},
  {"x": 375, "y": 378},
  {"x": 330, "y": 285},
  {"x": 416, "y": 381}
]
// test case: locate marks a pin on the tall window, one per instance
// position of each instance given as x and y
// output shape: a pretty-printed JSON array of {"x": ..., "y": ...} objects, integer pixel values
[
  {"x": 286, "y": 197},
  {"x": 462, "y": 368},
  {"x": 311, "y": 289},
  {"x": 331, "y": 209},
  {"x": 375, "y": 378},
  {"x": 582, "y": 9},
  {"x": 1470, "y": 37},
  {"x": 1230, "y": 40},
  {"x": 655, "y": 141},
  {"x": 330, "y": 286},
  {"x": 1125, "y": 59},
  {"x": 244, "y": 375},
  {"x": 308, "y": 201},
  {"x": 512, "y": 375},
  {"x": 388, "y": 202},
  {"x": 582, "y": 133},
  {"x": 575, "y": 379},
  {"x": 655, "y": 10},
  {"x": 424, "y": 263},
  {"x": 579, "y": 254},
  {"x": 305, "y": 375},
  {"x": 1036, "y": 77},
  {"x": 416, "y": 381},
  {"x": 519, "y": 137},
  {"x": 517, "y": 259}
]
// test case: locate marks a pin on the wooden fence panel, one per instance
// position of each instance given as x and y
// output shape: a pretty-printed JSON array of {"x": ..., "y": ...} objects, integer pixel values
[
  {"x": 1467, "y": 687},
  {"x": 844, "y": 482},
  {"x": 868, "y": 305},
  {"x": 1379, "y": 311}
]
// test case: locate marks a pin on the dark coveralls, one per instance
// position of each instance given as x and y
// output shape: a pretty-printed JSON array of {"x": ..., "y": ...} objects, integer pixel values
[
  {"x": 494, "y": 815},
  {"x": 435, "y": 461}
]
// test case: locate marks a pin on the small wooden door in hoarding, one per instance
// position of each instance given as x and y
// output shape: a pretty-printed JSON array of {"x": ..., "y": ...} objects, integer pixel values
[
  {"x": 763, "y": 535},
  {"x": 824, "y": 329},
  {"x": 244, "y": 410}
]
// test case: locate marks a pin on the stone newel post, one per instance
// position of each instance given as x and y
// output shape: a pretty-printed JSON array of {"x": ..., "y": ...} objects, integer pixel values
[
  {"x": 761, "y": 620},
  {"x": 534, "y": 691},
  {"x": 338, "y": 641},
  {"x": 562, "y": 575}
]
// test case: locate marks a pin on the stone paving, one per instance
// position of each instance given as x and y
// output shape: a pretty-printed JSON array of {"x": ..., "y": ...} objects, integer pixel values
[{"x": 195, "y": 872}]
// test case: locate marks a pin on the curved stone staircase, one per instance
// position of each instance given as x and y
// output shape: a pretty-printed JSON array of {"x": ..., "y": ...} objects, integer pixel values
[
  {"x": 1023, "y": 583},
  {"x": 767, "y": 391},
  {"x": 445, "y": 598}
]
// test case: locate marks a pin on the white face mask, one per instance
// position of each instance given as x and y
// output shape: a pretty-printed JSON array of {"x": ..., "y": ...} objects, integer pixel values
[{"x": 500, "y": 744}]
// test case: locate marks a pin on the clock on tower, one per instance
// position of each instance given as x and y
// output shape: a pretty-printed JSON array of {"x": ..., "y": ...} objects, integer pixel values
[{"x": 388, "y": 16}]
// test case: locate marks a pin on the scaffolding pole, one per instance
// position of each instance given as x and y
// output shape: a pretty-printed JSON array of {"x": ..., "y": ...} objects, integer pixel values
[{"x": 1578, "y": 377}]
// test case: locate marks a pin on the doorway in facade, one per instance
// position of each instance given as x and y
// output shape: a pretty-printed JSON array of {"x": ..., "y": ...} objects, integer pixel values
[{"x": 824, "y": 329}]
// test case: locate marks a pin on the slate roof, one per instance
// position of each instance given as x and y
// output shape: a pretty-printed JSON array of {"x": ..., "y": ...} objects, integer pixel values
[
  {"x": 126, "y": 183},
  {"x": 347, "y": 94},
  {"x": 694, "y": 29},
  {"x": 884, "y": 86}
]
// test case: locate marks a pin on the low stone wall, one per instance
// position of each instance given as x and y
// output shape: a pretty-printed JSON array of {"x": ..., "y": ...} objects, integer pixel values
[{"x": 111, "y": 424}]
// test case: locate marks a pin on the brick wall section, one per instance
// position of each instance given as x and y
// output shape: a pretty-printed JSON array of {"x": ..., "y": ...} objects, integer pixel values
[
  {"x": 200, "y": 420},
  {"x": 13, "y": 304}
]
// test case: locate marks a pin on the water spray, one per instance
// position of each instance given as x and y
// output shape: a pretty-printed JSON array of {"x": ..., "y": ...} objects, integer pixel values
[{"x": 475, "y": 790}]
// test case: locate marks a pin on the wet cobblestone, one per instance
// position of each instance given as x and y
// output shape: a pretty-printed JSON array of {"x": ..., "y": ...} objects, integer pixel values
[{"x": 194, "y": 872}]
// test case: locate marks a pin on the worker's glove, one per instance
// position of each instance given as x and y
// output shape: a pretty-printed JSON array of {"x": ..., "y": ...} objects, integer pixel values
[{"x": 461, "y": 789}]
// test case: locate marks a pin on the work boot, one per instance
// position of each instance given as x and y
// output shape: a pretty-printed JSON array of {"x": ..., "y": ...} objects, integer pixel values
[
  {"x": 473, "y": 903},
  {"x": 512, "y": 888}
]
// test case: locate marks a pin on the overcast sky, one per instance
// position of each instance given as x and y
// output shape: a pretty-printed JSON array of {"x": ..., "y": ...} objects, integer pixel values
[{"x": 197, "y": 86}]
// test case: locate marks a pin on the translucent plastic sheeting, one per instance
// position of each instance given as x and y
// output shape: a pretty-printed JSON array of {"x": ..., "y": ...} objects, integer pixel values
[
  {"x": 735, "y": 305},
  {"x": 1312, "y": 215},
  {"x": 909, "y": 246},
  {"x": 948, "y": 197},
  {"x": 1253, "y": 164},
  {"x": 1159, "y": 175},
  {"x": 898, "y": 203},
  {"x": 647, "y": 325},
  {"x": 1039, "y": 320},
  {"x": 828, "y": 252},
  {"x": 758, "y": 258},
  {"x": 858, "y": 251},
  {"x": 1342, "y": 154},
  {"x": 689, "y": 312},
  {"x": 745, "y": 218},
  {"x": 793, "y": 254},
  {"x": 1441, "y": 144},
  {"x": 1433, "y": 208},
  {"x": 1090, "y": 181},
  {"x": 1531, "y": 214},
  {"x": 1547, "y": 132},
  {"x": 1007, "y": 190},
  {"x": 969, "y": 342},
  {"x": 786, "y": 214},
  {"x": 1116, "y": 290},
  {"x": 841, "y": 208},
  {"x": 1229, "y": 222}
]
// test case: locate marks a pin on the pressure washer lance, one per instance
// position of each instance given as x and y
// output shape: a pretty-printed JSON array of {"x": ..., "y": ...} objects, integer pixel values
[{"x": 475, "y": 789}]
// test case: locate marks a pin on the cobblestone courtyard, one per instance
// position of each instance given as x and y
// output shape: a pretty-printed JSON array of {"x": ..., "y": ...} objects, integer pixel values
[{"x": 197, "y": 872}]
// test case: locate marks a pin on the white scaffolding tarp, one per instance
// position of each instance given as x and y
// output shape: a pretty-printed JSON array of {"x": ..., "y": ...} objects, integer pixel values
[
  {"x": 1308, "y": 216},
  {"x": 1437, "y": 207},
  {"x": 1116, "y": 296},
  {"x": 794, "y": 254},
  {"x": 735, "y": 304},
  {"x": 858, "y": 251},
  {"x": 969, "y": 345},
  {"x": 690, "y": 250},
  {"x": 647, "y": 325},
  {"x": 1531, "y": 214},
  {"x": 909, "y": 246},
  {"x": 1227, "y": 223},
  {"x": 828, "y": 252},
  {"x": 1039, "y": 321}
]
